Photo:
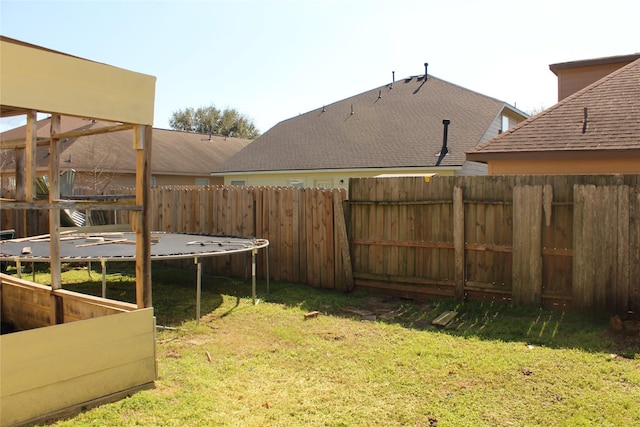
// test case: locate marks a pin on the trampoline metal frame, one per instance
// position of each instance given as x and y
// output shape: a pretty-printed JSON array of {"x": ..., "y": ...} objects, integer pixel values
[{"x": 197, "y": 257}]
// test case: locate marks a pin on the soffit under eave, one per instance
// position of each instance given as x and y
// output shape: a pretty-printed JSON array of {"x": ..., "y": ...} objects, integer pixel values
[
  {"x": 553, "y": 155},
  {"x": 46, "y": 81}
]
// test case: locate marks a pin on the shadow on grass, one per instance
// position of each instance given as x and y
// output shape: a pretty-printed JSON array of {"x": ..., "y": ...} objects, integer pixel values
[
  {"x": 174, "y": 301},
  {"x": 475, "y": 319},
  {"x": 173, "y": 291}
]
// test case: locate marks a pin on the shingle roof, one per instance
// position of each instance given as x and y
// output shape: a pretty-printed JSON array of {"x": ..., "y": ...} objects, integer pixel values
[
  {"x": 612, "y": 108},
  {"x": 173, "y": 152},
  {"x": 396, "y": 125}
]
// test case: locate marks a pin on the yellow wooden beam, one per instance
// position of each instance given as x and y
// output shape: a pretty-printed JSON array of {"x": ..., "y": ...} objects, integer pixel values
[
  {"x": 35, "y": 78},
  {"x": 142, "y": 223}
]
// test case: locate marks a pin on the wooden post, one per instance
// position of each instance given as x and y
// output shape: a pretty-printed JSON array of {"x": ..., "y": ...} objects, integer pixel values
[
  {"x": 142, "y": 135},
  {"x": 30, "y": 156},
  {"x": 54, "y": 213},
  {"x": 343, "y": 239},
  {"x": 458, "y": 242},
  {"x": 527, "y": 245}
]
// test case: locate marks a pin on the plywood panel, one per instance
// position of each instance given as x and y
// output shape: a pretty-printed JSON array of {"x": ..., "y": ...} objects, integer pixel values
[
  {"x": 53, "y": 82},
  {"x": 26, "y": 306},
  {"x": 93, "y": 357}
]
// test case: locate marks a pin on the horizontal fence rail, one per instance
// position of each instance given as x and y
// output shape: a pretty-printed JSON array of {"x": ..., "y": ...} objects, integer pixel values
[{"x": 552, "y": 241}]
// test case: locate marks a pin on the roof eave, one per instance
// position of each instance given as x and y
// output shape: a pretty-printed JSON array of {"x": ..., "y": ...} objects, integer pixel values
[{"x": 332, "y": 170}]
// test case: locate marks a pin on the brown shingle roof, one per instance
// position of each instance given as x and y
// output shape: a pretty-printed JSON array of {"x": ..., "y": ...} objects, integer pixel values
[
  {"x": 612, "y": 127},
  {"x": 173, "y": 152},
  {"x": 396, "y": 125}
]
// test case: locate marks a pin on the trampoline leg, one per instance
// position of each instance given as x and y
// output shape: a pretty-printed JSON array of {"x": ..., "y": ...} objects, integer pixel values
[
  {"x": 198, "y": 287},
  {"x": 253, "y": 276},
  {"x": 267, "y": 248},
  {"x": 104, "y": 277}
]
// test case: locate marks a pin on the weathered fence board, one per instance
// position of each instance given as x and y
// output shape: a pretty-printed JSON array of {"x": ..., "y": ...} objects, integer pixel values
[
  {"x": 512, "y": 240},
  {"x": 527, "y": 245},
  {"x": 634, "y": 249},
  {"x": 558, "y": 241},
  {"x": 602, "y": 279}
]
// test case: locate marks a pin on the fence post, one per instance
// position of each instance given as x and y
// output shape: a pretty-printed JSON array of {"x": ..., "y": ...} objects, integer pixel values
[
  {"x": 343, "y": 239},
  {"x": 458, "y": 242}
]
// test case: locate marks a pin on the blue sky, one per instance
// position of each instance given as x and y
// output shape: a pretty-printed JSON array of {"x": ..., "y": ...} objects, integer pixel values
[{"x": 273, "y": 60}]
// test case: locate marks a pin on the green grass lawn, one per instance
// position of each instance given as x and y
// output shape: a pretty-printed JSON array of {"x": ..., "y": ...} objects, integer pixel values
[{"x": 269, "y": 365}]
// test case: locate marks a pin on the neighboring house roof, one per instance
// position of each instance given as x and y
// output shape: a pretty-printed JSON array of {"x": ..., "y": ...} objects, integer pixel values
[
  {"x": 172, "y": 153},
  {"x": 603, "y": 119},
  {"x": 393, "y": 126}
]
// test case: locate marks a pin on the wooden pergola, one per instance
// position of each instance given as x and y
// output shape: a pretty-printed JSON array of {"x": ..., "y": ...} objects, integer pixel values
[{"x": 36, "y": 80}]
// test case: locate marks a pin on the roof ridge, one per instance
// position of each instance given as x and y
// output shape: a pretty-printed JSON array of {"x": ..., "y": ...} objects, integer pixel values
[{"x": 388, "y": 85}]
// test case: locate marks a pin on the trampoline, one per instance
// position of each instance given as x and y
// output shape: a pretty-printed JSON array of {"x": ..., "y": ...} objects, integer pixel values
[{"x": 120, "y": 246}]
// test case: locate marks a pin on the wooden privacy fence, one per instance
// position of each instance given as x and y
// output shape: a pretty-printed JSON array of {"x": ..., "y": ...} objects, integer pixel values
[
  {"x": 554, "y": 241},
  {"x": 305, "y": 228},
  {"x": 569, "y": 241}
]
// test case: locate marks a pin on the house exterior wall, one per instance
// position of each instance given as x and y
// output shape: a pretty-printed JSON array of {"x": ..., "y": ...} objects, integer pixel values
[
  {"x": 187, "y": 180},
  {"x": 322, "y": 179},
  {"x": 129, "y": 180},
  {"x": 493, "y": 130},
  {"x": 573, "y": 79},
  {"x": 473, "y": 169},
  {"x": 499, "y": 125},
  {"x": 84, "y": 180},
  {"x": 630, "y": 165}
]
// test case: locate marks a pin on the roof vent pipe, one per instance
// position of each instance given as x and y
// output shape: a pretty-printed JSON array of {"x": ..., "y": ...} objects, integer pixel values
[
  {"x": 445, "y": 137},
  {"x": 445, "y": 148},
  {"x": 426, "y": 64},
  {"x": 393, "y": 78}
]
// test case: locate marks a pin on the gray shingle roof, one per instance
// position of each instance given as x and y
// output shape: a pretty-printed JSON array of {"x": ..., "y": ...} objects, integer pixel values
[
  {"x": 173, "y": 152},
  {"x": 612, "y": 126},
  {"x": 396, "y": 125}
]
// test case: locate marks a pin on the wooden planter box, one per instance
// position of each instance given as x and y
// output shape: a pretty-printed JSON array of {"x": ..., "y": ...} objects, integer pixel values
[{"x": 103, "y": 351}]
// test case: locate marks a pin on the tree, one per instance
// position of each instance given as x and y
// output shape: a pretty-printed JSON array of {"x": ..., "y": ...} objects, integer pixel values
[
  {"x": 210, "y": 120},
  {"x": 535, "y": 110}
]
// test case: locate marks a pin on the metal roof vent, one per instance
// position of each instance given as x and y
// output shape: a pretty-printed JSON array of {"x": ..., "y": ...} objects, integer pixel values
[{"x": 445, "y": 147}]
